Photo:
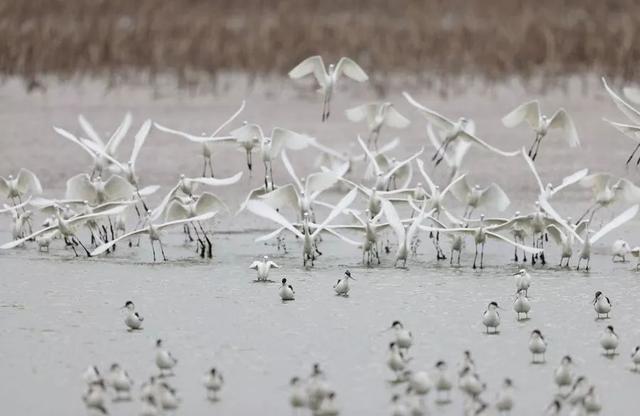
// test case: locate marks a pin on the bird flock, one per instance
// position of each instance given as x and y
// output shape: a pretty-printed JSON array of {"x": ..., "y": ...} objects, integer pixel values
[{"x": 383, "y": 211}]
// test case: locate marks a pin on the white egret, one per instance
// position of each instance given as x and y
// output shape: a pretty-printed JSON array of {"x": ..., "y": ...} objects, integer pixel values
[
  {"x": 328, "y": 78},
  {"x": 541, "y": 124},
  {"x": 404, "y": 235},
  {"x": 458, "y": 149},
  {"x": 262, "y": 268},
  {"x": 23, "y": 184},
  {"x": 620, "y": 249},
  {"x": 376, "y": 115},
  {"x": 606, "y": 190},
  {"x": 491, "y": 197},
  {"x": 384, "y": 178}
]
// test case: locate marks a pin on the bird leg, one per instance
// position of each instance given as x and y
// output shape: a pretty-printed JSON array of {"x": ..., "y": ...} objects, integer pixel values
[
  {"x": 632, "y": 154},
  {"x": 482, "y": 257},
  {"x": 592, "y": 207},
  {"x": 153, "y": 249},
  {"x": 82, "y": 245},
  {"x": 211, "y": 167},
  {"x": 249, "y": 161},
  {"x": 204, "y": 166},
  {"x": 515, "y": 255},
  {"x": 578, "y": 266},
  {"x": 537, "y": 148},
  {"x": 162, "y": 250},
  {"x": 442, "y": 146},
  {"x": 475, "y": 257},
  {"x": 209, "y": 244},
  {"x": 200, "y": 244},
  {"x": 113, "y": 234}
]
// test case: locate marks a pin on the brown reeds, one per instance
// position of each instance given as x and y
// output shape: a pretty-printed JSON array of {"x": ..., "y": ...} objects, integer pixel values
[{"x": 490, "y": 39}]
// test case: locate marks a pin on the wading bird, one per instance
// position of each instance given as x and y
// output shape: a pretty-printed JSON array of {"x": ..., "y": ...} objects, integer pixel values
[{"x": 328, "y": 78}]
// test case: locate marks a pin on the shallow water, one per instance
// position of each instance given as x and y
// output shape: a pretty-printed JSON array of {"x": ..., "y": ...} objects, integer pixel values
[{"x": 60, "y": 314}]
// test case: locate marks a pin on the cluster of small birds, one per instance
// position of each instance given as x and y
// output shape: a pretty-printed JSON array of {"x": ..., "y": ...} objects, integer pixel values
[
  {"x": 156, "y": 394},
  {"x": 100, "y": 203}
]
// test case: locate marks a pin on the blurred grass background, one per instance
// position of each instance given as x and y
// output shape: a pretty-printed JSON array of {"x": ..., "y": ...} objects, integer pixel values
[{"x": 443, "y": 39}]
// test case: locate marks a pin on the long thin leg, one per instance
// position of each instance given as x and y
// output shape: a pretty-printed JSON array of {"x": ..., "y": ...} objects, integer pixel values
[
  {"x": 153, "y": 249},
  {"x": 211, "y": 167},
  {"x": 475, "y": 257},
  {"x": 444, "y": 151},
  {"x": 633, "y": 153},
  {"x": 206, "y": 237},
  {"x": 482, "y": 257},
  {"x": 82, "y": 245},
  {"x": 537, "y": 148},
  {"x": 204, "y": 166},
  {"x": 162, "y": 250}
]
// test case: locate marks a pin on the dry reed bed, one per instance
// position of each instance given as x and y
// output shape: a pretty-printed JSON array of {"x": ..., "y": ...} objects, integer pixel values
[{"x": 489, "y": 39}]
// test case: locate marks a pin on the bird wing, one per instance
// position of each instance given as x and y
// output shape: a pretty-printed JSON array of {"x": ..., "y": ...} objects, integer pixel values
[
  {"x": 404, "y": 175},
  {"x": 630, "y": 192},
  {"x": 626, "y": 108},
  {"x": 494, "y": 197},
  {"x": 331, "y": 152},
  {"x": 347, "y": 240},
  {"x": 282, "y": 197},
  {"x": 632, "y": 93},
  {"x": 255, "y": 265},
  {"x": 555, "y": 233},
  {"x": 117, "y": 187},
  {"x": 533, "y": 169},
  {"x": 197, "y": 139},
  {"x": 16, "y": 243},
  {"x": 452, "y": 184},
  {"x": 80, "y": 187},
  {"x": 427, "y": 179},
  {"x": 74, "y": 139},
  {"x": 202, "y": 217},
  {"x": 118, "y": 135},
  {"x": 90, "y": 131},
  {"x": 208, "y": 202},
  {"x": 582, "y": 226},
  {"x": 393, "y": 219},
  {"x": 544, "y": 204},
  {"x": 629, "y": 130},
  {"x": 283, "y": 138},
  {"x": 148, "y": 190},
  {"x": 28, "y": 180},
  {"x": 417, "y": 221},
  {"x": 138, "y": 141},
  {"x": 4, "y": 186},
  {"x": 263, "y": 210},
  {"x": 351, "y": 69},
  {"x": 596, "y": 181},
  {"x": 248, "y": 132},
  {"x": 529, "y": 112},
  {"x": 319, "y": 182},
  {"x": 399, "y": 165},
  {"x": 289, "y": 168},
  {"x": 158, "y": 210},
  {"x": 269, "y": 236},
  {"x": 370, "y": 157},
  {"x": 468, "y": 137},
  {"x": 561, "y": 120},
  {"x": 461, "y": 190},
  {"x": 101, "y": 152},
  {"x": 342, "y": 205},
  {"x": 528, "y": 249},
  {"x": 627, "y": 215},
  {"x": 230, "y": 119},
  {"x": 362, "y": 112},
  {"x": 570, "y": 180},
  {"x": 176, "y": 210},
  {"x": 312, "y": 65},
  {"x": 219, "y": 182},
  {"x": 272, "y": 264},
  {"x": 393, "y": 118},
  {"x": 440, "y": 121}
]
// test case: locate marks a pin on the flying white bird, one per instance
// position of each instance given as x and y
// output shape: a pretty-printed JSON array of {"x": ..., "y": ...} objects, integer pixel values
[
  {"x": 630, "y": 130},
  {"x": 25, "y": 182},
  {"x": 269, "y": 147},
  {"x": 208, "y": 141},
  {"x": 377, "y": 115},
  {"x": 541, "y": 124},
  {"x": 452, "y": 131},
  {"x": 606, "y": 190},
  {"x": 405, "y": 235},
  {"x": 491, "y": 197},
  {"x": 384, "y": 178},
  {"x": 327, "y": 79},
  {"x": 548, "y": 191}
]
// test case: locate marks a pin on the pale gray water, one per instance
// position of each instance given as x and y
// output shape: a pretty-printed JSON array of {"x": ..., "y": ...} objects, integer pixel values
[{"x": 59, "y": 314}]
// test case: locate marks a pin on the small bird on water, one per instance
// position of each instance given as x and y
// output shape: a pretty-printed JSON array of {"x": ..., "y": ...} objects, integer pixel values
[
  {"x": 491, "y": 318},
  {"x": 609, "y": 341},
  {"x": 164, "y": 359},
  {"x": 602, "y": 305},
  {"x": 262, "y": 268},
  {"x": 286, "y": 291},
  {"x": 133, "y": 320},
  {"x": 213, "y": 382},
  {"x": 537, "y": 346},
  {"x": 342, "y": 285}
]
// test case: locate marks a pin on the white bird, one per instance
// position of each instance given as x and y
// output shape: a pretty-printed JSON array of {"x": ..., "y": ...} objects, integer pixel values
[
  {"x": 262, "y": 268},
  {"x": 396, "y": 360},
  {"x": 398, "y": 406},
  {"x": 317, "y": 388},
  {"x": 635, "y": 252},
  {"x": 491, "y": 317},
  {"x": 208, "y": 141},
  {"x": 631, "y": 130},
  {"x": 541, "y": 124},
  {"x": 298, "y": 397},
  {"x": 458, "y": 149},
  {"x": 521, "y": 305},
  {"x": 470, "y": 383},
  {"x": 18, "y": 187},
  {"x": 442, "y": 383},
  {"x": 606, "y": 190},
  {"x": 609, "y": 341},
  {"x": 153, "y": 231},
  {"x": 189, "y": 186},
  {"x": 505, "y": 400},
  {"x": 384, "y": 179},
  {"x": 566, "y": 240},
  {"x": 96, "y": 191},
  {"x": 213, "y": 382},
  {"x": 563, "y": 374},
  {"x": 491, "y": 197},
  {"x": 286, "y": 291},
  {"x": 480, "y": 235},
  {"x": 133, "y": 320},
  {"x": 452, "y": 131},
  {"x": 620, "y": 249},
  {"x": 404, "y": 338},
  {"x": 328, "y": 78},
  {"x": 537, "y": 345},
  {"x": 328, "y": 406},
  {"x": 592, "y": 403},
  {"x": 405, "y": 235},
  {"x": 120, "y": 381},
  {"x": 94, "y": 398},
  {"x": 602, "y": 305},
  {"x": 149, "y": 406},
  {"x": 168, "y": 397},
  {"x": 554, "y": 409},
  {"x": 377, "y": 115},
  {"x": 307, "y": 236},
  {"x": 270, "y": 146},
  {"x": 91, "y": 375},
  {"x": 164, "y": 360},
  {"x": 549, "y": 190},
  {"x": 420, "y": 382},
  {"x": 588, "y": 241},
  {"x": 342, "y": 285},
  {"x": 65, "y": 228},
  {"x": 635, "y": 358},
  {"x": 523, "y": 281}
]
